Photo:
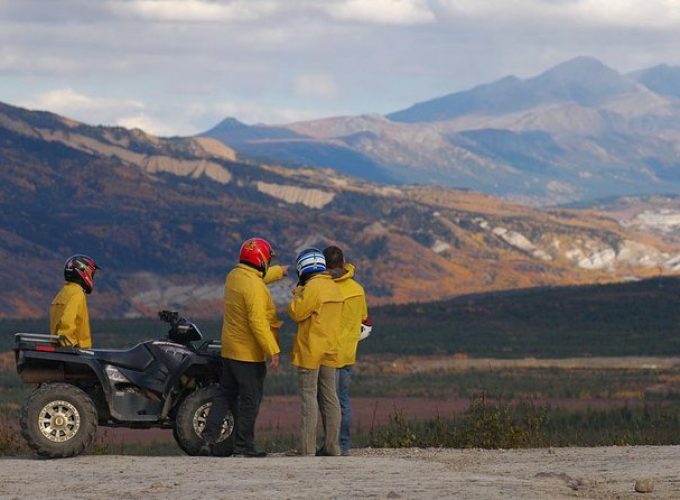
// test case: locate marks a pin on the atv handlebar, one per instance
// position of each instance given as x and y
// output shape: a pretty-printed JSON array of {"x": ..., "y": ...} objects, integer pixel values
[
  {"x": 168, "y": 316},
  {"x": 181, "y": 330}
]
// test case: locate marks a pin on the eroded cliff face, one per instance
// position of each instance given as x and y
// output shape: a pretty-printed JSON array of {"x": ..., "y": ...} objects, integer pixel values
[
  {"x": 312, "y": 198},
  {"x": 186, "y": 168}
]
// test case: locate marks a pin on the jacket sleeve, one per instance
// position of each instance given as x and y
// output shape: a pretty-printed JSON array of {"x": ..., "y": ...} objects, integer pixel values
[
  {"x": 66, "y": 325},
  {"x": 274, "y": 273},
  {"x": 302, "y": 306},
  {"x": 256, "y": 305},
  {"x": 364, "y": 306}
]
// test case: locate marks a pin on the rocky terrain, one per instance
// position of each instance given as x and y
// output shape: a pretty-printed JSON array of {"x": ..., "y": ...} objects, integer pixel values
[
  {"x": 598, "y": 473},
  {"x": 578, "y": 131},
  {"x": 165, "y": 218}
]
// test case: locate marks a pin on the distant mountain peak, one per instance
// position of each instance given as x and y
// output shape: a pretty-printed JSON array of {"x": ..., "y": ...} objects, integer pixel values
[
  {"x": 229, "y": 124},
  {"x": 584, "y": 80},
  {"x": 580, "y": 69},
  {"x": 582, "y": 62},
  {"x": 662, "y": 79}
]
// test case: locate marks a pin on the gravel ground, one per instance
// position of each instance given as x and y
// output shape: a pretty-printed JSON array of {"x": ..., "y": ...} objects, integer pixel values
[{"x": 597, "y": 473}]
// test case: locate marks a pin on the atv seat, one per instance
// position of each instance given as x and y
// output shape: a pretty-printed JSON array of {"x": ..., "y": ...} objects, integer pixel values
[{"x": 138, "y": 358}]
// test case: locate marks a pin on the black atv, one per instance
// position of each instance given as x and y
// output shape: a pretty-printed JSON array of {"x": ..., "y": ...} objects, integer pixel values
[{"x": 165, "y": 383}]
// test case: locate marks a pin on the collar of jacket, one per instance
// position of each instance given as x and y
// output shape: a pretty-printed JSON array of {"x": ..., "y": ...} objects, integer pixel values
[
  {"x": 250, "y": 269},
  {"x": 342, "y": 274},
  {"x": 324, "y": 275}
]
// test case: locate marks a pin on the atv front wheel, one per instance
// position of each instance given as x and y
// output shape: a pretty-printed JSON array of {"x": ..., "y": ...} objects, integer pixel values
[
  {"x": 58, "y": 420},
  {"x": 190, "y": 422}
]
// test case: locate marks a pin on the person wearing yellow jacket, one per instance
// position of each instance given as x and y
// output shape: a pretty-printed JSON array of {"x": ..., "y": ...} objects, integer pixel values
[
  {"x": 249, "y": 337},
  {"x": 354, "y": 322},
  {"x": 69, "y": 317},
  {"x": 316, "y": 308}
]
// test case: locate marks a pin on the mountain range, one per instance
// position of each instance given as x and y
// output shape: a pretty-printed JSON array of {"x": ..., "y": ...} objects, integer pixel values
[
  {"x": 579, "y": 131},
  {"x": 164, "y": 217}
]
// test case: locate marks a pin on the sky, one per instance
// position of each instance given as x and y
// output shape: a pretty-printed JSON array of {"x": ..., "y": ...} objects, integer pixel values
[{"x": 178, "y": 67}]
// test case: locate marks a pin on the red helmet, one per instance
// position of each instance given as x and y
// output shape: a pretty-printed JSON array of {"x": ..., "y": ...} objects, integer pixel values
[
  {"x": 257, "y": 252},
  {"x": 80, "y": 269}
]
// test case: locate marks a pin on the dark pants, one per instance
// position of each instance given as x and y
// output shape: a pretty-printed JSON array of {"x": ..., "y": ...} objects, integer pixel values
[
  {"x": 241, "y": 387},
  {"x": 343, "y": 378}
]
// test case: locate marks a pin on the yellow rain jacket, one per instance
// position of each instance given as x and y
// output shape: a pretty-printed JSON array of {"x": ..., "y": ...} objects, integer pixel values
[
  {"x": 317, "y": 309},
  {"x": 251, "y": 326},
  {"x": 354, "y": 311},
  {"x": 69, "y": 316},
  {"x": 274, "y": 273}
]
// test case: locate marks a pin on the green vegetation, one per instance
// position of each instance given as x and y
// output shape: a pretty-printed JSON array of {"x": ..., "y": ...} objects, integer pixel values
[
  {"x": 487, "y": 425},
  {"x": 484, "y": 425}
]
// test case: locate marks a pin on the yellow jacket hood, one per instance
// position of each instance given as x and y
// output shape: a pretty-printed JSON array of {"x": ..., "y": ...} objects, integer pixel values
[{"x": 354, "y": 311}]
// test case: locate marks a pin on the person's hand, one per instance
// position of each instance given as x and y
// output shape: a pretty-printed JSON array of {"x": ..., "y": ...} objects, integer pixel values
[
  {"x": 285, "y": 270},
  {"x": 274, "y": 363}
]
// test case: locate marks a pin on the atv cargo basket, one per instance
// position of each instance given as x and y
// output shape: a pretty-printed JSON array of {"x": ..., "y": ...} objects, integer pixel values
[{"x": 32, "y": 340}]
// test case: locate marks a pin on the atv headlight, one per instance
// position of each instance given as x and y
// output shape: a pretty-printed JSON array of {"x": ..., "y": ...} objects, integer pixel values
[{"x": 114, "y": 374}]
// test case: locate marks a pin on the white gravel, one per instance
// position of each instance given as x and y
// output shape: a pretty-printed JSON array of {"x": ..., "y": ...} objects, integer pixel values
[{"x": 597, "y": 473}]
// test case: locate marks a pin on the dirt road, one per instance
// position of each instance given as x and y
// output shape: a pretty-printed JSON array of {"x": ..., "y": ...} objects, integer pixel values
[{"x": 410, "y": 473}]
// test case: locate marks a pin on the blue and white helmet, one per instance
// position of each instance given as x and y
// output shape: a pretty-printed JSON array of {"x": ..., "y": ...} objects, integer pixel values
[{"x": 310, "y": 261}]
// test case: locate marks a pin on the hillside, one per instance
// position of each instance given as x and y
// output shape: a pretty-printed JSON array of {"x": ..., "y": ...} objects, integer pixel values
[
  {"x": 578, "y": 131},
  {"x": 623, "y": 319},
  {"x": 165, "y": 217}
]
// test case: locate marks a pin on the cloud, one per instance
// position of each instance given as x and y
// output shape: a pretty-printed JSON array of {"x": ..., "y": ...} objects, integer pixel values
[
  {"x": 316, "y": 86},
  {"x": 252, "y": 112},
  {"x": 147, "y": 123},
  {"x": 64, "y": 100},
  {"x": 194, "y": 10},
  {"x": 655, "y": 14},
  {"x": 396, "y": 12},
  {"x": 381, "y": 11},
  {"x": 41, "y": 64},
  {"x": 96, "y": 110}
]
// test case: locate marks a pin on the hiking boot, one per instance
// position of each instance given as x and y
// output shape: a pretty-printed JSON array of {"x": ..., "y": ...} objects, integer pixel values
[{"x": 249, "y": 454}]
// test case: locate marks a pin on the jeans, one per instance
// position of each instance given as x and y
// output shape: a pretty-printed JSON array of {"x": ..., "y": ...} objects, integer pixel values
[
  {"x": 317, "y": 392},
  {"x": 343, "y": 378},
  {"x": 241, "y": 385}
]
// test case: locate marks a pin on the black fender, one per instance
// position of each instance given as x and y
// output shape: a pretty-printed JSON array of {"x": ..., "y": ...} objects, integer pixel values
[
  {"x": 193, "y": 365},
  {"x": 27, "y": 361},
  {"x": 38, "y": 367}
]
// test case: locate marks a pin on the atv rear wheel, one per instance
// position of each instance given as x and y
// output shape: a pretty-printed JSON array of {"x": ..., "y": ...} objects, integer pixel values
[
  {"x": 58, "y": 420},
  {"x": 190, "y": 422}
]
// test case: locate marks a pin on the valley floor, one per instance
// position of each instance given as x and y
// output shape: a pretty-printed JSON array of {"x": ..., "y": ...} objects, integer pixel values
[{"x": 608, "y": 472}]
